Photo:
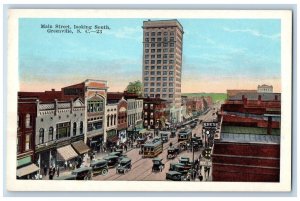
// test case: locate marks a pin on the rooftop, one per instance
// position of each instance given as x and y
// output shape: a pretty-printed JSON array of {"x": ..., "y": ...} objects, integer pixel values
[
  {"x": 250, "y": 138},
  {"x": 248, "y": 130}
]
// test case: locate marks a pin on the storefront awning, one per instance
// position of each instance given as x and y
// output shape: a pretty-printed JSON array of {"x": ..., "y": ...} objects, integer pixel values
[
  {"x": 66, "y": 153},
  {"x": 80, "y": 147},
  {"x": 27, "y": 170}
]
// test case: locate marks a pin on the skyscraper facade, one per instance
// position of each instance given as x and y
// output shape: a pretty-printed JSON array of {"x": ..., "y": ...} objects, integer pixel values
[{"x": 162, "y": 60}]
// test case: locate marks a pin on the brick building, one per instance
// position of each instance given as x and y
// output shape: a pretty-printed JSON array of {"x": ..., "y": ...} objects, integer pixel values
[
  {"x": 26, "y": 135},
  {"x": 249, "y": 146},
  {"x": 156, "y": 113}
]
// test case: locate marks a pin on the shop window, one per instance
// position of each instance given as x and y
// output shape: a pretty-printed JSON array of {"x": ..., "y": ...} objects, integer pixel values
[{"x": 63, "y": 130}]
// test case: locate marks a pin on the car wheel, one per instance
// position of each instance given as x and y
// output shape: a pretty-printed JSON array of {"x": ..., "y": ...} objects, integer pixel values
[{"x": 104, "y": 172}]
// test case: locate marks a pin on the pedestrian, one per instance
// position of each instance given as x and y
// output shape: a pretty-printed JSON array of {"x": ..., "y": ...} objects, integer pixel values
[
  {"x": 57, "y": 172},
  {"x": 54, "y": 169},
  {"x": 45, "y": 170},
  {"x": 125, "y": 146},
  {"x": 200, "y": 177},
  {"x": 50, "y": 173}
]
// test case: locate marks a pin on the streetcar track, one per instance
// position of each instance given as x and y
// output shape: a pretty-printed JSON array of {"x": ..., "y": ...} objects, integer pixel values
[{"x": 174, "y": 142}]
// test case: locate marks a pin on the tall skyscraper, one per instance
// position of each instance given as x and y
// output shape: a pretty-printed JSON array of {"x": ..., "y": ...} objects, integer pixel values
[{"x": 162, "y": 59}]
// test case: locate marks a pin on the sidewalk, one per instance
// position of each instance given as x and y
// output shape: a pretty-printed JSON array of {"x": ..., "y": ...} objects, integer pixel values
[{"x": 86, "y": 163}]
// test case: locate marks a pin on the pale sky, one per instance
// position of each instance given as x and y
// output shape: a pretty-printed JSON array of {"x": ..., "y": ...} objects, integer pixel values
[{"x": 217, "y": 54}]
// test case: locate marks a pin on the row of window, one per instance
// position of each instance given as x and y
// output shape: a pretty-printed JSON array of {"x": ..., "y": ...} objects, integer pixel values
[
  {"x": 171, "y": 90},
  {"x": 159, "y": 73},
  {"x": 28, "y": 122},
  {"x": 111, "y": 120},
  {"x": 159, "y": 61},
  {"x": 171, "y": 67},
  {"x": 147, "y": 45},
  {"x": 62, "y": 130},
  {"x": 165, "y": 50},
  {"x": 95, "y": 106},
  {"x": 27, "y": 143},
  {"x": 146, "y": 79},
  {"x": 158, "y": 95},
  {"x": 172, "y": 33},
  {"x": 158, "y": 39},
  {"x": 165, "y": 56},
  {"x": 164, "y": 84}
]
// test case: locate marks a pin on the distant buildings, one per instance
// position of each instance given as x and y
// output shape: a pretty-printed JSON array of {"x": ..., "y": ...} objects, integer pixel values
[
  {"x": 265, "y": 88},
  {"x": 248, "y": 148}
]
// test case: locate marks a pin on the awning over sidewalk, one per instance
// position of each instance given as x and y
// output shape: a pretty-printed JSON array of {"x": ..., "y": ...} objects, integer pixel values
[
  {"x": 27, "y": 170},
  {"x": 80, "y": 147},
  {"x": 66, "y": 153}
]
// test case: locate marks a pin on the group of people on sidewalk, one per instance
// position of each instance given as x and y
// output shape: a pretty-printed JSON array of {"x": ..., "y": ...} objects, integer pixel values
[{"x": 52, "y": 170}]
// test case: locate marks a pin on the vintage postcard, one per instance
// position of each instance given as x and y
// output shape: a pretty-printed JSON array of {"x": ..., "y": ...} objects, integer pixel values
[{"x": 149, "y": 100}]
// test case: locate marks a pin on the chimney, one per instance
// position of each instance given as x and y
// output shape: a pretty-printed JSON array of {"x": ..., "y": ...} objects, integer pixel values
[{"x": 52, "y": 89}]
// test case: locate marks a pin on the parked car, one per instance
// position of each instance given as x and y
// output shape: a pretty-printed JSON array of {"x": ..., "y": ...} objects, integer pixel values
[
  {"x": 100, "y": 167},
  {"x": 112, "y": 160},
  {"x": 84, "y": 173},
  {"x": 173, "y": 176},
  {"x": 124, "y": 166},
  {"x": 158, "y": 165}
]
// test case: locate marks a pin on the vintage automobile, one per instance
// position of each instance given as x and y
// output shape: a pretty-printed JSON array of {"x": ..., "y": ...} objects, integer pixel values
[
  {"x": 173, "y": 133},
  {"x": 186, "y": 162},
  {"x": 172, "y": 152},
  {"x": 99, "y": 167},
  {"x": 115, "y": 153},
  {"x": 179, "y": 167},
  {"x": 124, "y": 166},
  {"x": 174, "y": 176},
  {"x": 164, "y": 136},
  {"x": 66, "y": 177},
  {"x": 112, "y": 160},
  {"x": 158, "y": 165},
  {"x": 84, "y": 173}
]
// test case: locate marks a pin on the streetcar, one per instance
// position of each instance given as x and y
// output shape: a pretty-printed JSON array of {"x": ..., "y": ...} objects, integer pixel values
[
  {"x": 185, "y": 135},
  {"x": 151, "y": 150}
]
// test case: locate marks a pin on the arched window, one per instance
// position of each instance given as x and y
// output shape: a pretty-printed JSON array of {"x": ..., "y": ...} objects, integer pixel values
[
  {"x": 41, "y": 136},
  {"x": 111, "y": 120},
  {"x": 107, "y": 120},
  {"x": 115, "y": 117},
  {"x": 81, "y": 127},
  {"x": 28, "y": 123},
  {"x": 50, "y": 133},
  {"x": 74, "y": 128}
]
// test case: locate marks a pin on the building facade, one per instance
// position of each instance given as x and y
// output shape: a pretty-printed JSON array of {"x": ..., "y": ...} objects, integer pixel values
[
  {"x": 122, "y": 120},
  {"x": 135, "y": 113},
  {"x": 111, "y": 123},
  {"x": 58, "y": 124},
  {"x": 156, "y": 113},
  {"x": 26, "y": 131},
  {"x": 162, "y": 60},
  {"x": 94, "y": 95}
]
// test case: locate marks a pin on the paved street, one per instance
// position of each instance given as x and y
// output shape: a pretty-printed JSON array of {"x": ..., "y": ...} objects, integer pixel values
[{"x": 142, "y": 167}]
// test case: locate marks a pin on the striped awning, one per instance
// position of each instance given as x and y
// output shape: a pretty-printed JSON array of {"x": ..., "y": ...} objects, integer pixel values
[
  {"x": 29, "y": 169},
  {"x": 80, "y": 147},
  {"x": 66, "y": 153}
]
